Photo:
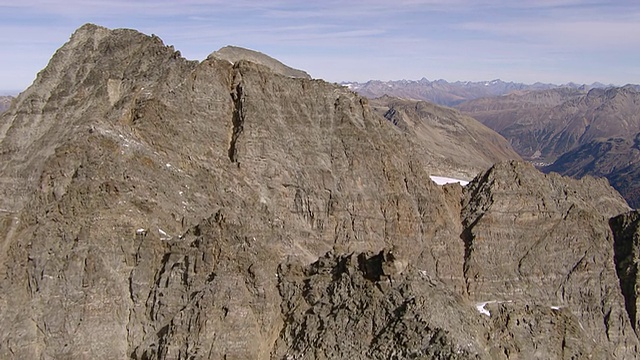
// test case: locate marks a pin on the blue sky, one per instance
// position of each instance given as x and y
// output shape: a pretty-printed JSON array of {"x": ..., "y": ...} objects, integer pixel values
[{"x": 357, "y": 40}]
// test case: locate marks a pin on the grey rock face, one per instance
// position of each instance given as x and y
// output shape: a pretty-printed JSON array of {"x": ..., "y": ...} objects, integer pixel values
[
  {"x": 234, "y": 54},
  {"x": 525, "y": 246},
  {"x": 350, "y": 306},
  {"x": 159, "y": 208}
]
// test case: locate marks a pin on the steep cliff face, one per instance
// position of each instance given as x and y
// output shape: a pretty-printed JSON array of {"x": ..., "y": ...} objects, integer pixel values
[
  {"x": 526, "y": 247},
  {"x": 161, "y": 190},
  {"x": 626, "y": 231},
  {"x": 158, "y": 208}
]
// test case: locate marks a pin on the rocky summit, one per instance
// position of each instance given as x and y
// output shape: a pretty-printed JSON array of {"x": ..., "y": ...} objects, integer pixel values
[{"x": 159, "y": 208}]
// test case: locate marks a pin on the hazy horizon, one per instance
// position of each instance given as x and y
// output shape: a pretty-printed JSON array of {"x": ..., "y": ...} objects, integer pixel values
[{"x": 457, "y": 40}]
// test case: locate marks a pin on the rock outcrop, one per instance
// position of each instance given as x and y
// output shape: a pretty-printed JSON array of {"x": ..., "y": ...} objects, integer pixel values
[
  {"x": 5, "y": 102},
  {"x": 159, "y": 208},
  {"x": 525, "y": 248}
]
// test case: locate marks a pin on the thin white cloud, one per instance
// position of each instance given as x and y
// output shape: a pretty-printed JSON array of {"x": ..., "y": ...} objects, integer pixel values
[
  {"x": 514, "y": 40},
  {"x": 576, "y": 35}
]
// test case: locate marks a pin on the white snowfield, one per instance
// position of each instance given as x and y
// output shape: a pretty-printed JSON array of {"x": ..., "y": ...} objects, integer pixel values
[
  {"x": 441, "y": 180},
  {"x": 482, "y": 310},
  {"x": 480, "y": 306}
]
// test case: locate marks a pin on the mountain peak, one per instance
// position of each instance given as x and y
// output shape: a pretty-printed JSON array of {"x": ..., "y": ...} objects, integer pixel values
[
  {"x": 236, "y": 53},
  {"x": 154, "y": 207},
  {"x": 90, "y": 29}
]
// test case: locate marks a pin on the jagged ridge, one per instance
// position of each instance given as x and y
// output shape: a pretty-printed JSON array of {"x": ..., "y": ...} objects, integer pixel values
[{"x": 161, "y": 208}]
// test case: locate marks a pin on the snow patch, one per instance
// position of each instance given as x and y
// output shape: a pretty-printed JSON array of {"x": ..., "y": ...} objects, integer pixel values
[
  {"x": 480, "y": 307},
  {"x": 164, "y": 235},
  {"x": 441, "y": 180}
]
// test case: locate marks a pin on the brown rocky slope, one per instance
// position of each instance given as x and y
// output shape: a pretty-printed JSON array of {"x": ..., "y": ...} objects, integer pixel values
[
  {"x": 539, "y": 124},
  {"x": 158, "y": 208},
  {"x": 458, "y": 145}
]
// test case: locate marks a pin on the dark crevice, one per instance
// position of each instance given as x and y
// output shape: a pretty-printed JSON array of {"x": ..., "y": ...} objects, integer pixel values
[
  {"x": 371, "y": 267},
  {"x": 237, "y": 122},
  {"x": 467, "y": 239},
  {"x": 626, "y": 242}
]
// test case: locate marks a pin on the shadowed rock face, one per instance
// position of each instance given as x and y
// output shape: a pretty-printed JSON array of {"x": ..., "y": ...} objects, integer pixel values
[
  {"x": 626, "y": 231},
  {"x": 159, "y": 208}
]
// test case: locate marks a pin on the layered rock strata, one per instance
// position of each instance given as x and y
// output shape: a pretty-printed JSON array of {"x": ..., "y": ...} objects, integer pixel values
[{"x": 159, "y": 208}]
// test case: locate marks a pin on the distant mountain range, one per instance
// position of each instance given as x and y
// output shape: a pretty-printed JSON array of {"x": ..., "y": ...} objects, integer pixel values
[
  {"x": 617, "y": 159},
  {"x": 571, "y": 129},
  {"x": 447, "y": 93}
]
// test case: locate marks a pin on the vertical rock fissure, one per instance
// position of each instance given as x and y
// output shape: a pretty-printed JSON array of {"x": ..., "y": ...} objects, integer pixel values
[
  {"x": 237, "y": 121},
  {"x": 467, "y": 238},
  {"x": 626, "y": 239}
]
